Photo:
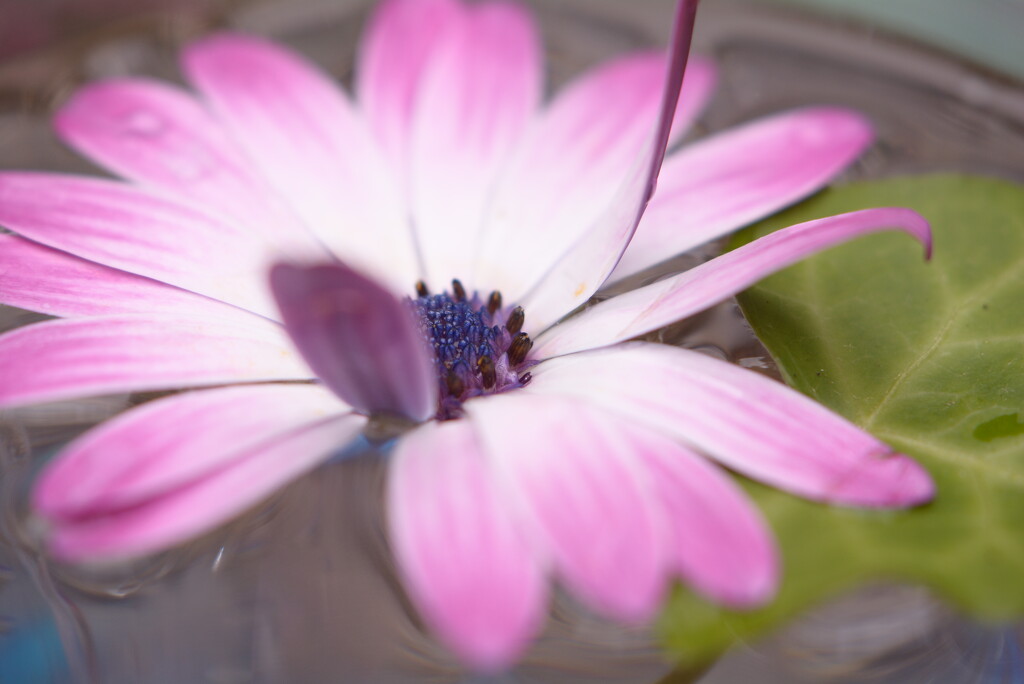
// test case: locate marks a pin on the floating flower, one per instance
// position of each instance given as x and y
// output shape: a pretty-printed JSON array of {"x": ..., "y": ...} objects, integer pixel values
[{"x": 541, "y": 442}]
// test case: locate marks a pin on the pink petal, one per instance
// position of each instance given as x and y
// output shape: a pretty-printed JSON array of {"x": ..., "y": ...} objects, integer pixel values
[
  {"x": 465, "y": 564},
  {"x": 201, "y": 505},
  {"x": 161, "y": 137},
  {"x": 722, "y": 546},
  {"x": 303, "y": 135},
  {"x": 572, "y": 162},
  {"x": 42, "y": 279},
  {"x": 134, "y": 230},
  {"x": 750, "y": 423},
  {"x": 66, "y": 359},
  {"x": 397, "y": 46},
  {"x": 166, "y": 444},
  {"x": 579, "y": 480},
  {"x": 581, "y": 270},
  {"x": 478, "y": 92},
  {"x": 667, "y": 301},
  {"x": 361, "y": 341},
  {"x": 739, "y": 176}
]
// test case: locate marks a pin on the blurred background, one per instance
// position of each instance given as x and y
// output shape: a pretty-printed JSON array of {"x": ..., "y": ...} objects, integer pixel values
[
  {"x": 987, "y": 31},
  {"x": 302, "y": 590}
]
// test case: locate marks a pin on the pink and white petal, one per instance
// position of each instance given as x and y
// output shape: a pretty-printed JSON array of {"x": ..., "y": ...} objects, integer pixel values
[
  {"x": 304, "y": 136},
  {"x": 49, "y": 281},
  {"x": 722, "y": 546},
  {"x": 465, "y": 562},
  {"x": 667, "y": 301},
  {"x": 581, "y": 270},
  {"x": 746, "y": 421},
  {"x": 580, "y": 486},
  {"x": 573, "y": 159},
  {"x": 734, "y": 178},
  {"x": 67, "y": 359},
  {"x": 134, "y": 230},
  {"x": 479, "y": 91},
  {"x": 201, "y": 505},
  {"x": 165, "y": 444},
  {"x": 397, "y": 44},
  {"x": 360, "y": 339},
  {"x": 160, "y": 137}
]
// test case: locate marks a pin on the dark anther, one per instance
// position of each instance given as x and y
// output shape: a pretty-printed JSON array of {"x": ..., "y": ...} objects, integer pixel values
[
  {"x": 515, "y": 320},
  {"x": 421, "y": 289},
  {"x": 458, "y": 290},
  {"x": 525, "y": 379},
  {"x": 487, "y": 373},
  {"x": 520, "y": 347},
  {"x": 494, "y": 302},
  {"x": 454, "y": 384}
]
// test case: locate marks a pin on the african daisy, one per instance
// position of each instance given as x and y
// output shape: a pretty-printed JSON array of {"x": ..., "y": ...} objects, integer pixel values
[{"x": 429, "y": 247}]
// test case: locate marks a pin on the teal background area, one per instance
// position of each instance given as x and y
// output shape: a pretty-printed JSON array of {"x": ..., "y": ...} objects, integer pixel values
[{"x": 990, "y": 32}]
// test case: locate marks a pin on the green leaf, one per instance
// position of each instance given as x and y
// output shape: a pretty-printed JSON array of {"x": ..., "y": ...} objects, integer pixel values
[{"x": 930, "y": 358}]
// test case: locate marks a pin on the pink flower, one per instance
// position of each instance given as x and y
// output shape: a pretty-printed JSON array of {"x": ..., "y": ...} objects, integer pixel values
[{"x": 581, "y": 457}]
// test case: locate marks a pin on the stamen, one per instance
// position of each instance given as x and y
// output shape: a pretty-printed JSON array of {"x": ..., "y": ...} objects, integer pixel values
[
  {"x": 454, "y": 384},
  {"x": 520, "y": 347},
  {"x": 494, "y": 302},
  {"x": 488, "y": 374},
  {"x": 473, "y": 353},
  {"x": 458, "y": 290},
  {"x": 525, "y": 378},
  {"x": 515, "y": 320}
]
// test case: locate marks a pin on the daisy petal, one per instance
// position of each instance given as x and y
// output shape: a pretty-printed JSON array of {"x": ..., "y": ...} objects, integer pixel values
[
  {"x": 582, "y": 269},
  {"x": 465, "y": 565},
  {"x": 46, "y": 280},
  {"x": 750, "y": 423},
  {"x": 578, "y": 478},
  {"x": 397, "y": 45},
  {"x": 201, "y": 505},
  {"x": 165, "y": 444},
  {"x": 577, "y": 155},
  {"x": 478, "y": 92},
  {"x": 667, "y": 301},
  {"x": 67, "y": 359},
  {"x": 360, "y": 340},
  {"x": 161, "y": 137},
  {"x": 301, "y": 132},
  {"x": 718, "y": 185},
  {"x": 722, "y": 546},
  {"x": 134, "y": 230}
]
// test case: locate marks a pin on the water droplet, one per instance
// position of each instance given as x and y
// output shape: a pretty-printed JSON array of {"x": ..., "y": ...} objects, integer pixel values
[{"x": 218, "y": 559}]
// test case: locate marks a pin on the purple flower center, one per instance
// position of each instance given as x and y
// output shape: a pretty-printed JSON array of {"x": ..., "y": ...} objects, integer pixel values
[{"x": 479, "y": 347}]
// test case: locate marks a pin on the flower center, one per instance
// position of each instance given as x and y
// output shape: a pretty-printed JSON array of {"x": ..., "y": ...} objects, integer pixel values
[{"x": 479, "y": 346}]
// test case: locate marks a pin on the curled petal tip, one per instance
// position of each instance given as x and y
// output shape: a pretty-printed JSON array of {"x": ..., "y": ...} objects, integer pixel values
[{"x": 914, "y": 224}]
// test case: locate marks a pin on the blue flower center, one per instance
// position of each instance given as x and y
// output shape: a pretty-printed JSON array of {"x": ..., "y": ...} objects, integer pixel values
[{"x": 479, "y": 346}]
